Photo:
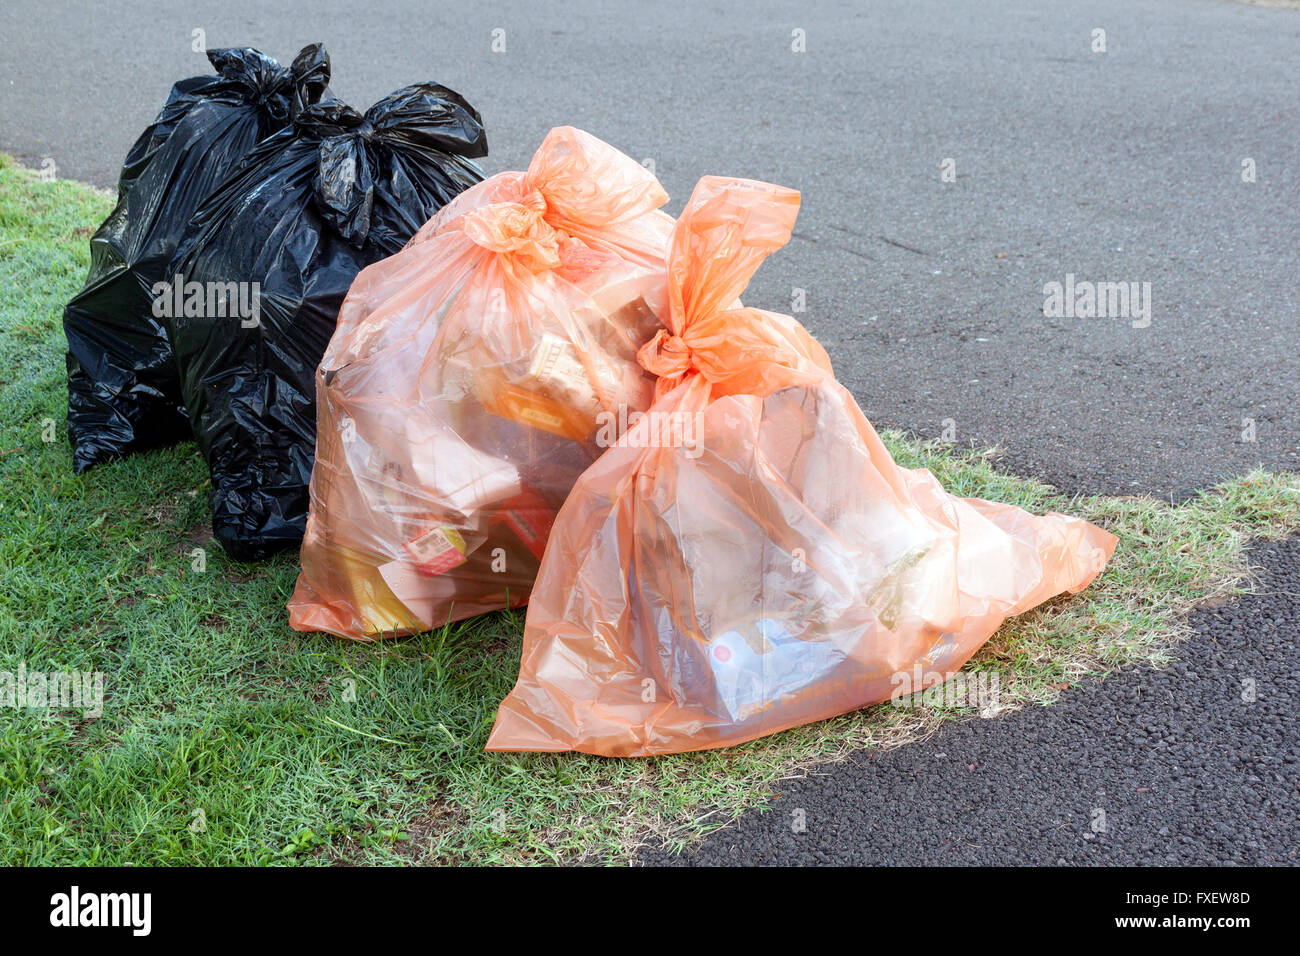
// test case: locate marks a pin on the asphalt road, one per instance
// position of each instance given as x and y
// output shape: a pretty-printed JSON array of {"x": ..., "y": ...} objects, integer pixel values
[
  {"x": 1122, "y": 166},
  {"x": 1116, "y": 166}
]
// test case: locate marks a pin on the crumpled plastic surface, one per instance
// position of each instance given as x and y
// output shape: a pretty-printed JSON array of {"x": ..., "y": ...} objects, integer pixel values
[
  {"x": 469, "y": 384},
  {"x": 123, "y": 389},
  {"x": 308, "y": 209},
  {"x": 781, "y": 569}
]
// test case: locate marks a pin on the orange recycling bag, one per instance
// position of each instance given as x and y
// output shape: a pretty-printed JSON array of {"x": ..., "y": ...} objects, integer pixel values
[
  {"x": 749, "y": 557},
  {"x": 471, "y": 379}
]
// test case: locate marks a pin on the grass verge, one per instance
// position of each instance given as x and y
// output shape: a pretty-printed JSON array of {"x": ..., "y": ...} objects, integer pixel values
[{"x": 227, "y": 738}]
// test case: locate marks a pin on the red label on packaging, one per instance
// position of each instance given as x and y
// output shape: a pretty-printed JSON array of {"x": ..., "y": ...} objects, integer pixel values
[
  {"x": 437, "y": 550},
  {"x": 530, "y": 518}
]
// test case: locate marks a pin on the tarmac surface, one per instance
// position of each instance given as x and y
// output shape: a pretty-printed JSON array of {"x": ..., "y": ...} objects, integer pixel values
[
  {"x": 1115, "y": 166},
  {"x": 954, "y": 160}
]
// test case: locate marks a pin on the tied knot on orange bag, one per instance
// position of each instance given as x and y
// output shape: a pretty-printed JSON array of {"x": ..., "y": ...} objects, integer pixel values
[
  {"x": 667, "y": 356},
  {"x": 517, "y": 229},
  {"x": 575, "y": 187},
  {"x": 726, "y": 231}
]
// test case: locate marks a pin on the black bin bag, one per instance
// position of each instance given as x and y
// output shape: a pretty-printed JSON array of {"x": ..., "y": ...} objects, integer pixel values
[
  {"x": 123, "y": 389},
  {"x": 283, "y": 237}
]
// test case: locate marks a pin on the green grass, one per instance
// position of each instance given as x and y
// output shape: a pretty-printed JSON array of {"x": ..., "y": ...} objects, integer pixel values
[{"x": 227, "y": 738}]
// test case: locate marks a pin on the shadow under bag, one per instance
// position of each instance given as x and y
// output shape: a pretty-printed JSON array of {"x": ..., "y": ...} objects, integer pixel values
[
  {"x": 284, "y": 235},
  {"x": 123, "y": 389}
]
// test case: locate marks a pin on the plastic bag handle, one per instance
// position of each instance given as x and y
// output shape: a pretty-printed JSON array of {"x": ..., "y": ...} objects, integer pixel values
[
  {"x": 585, "y": 182},
  {"x": 263, "y": 80},
  {"x": 429, "y": 116},
  {"x": 311, "y": 76},
  {"x": 420, "y": 118},
  {"x": 728, "y": 228},
  {"x": 252, "y": 69}
]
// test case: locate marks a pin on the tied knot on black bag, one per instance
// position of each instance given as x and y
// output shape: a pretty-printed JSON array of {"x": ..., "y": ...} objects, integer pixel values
[
  {"x": 345, "y": 183},
  {"x": 416, "y": 124},
  {"x": 310, "y": 73},
  {"x": 281, "y": 91},
  {"x": 345, "y": 177},
  {"x": 251, "y": 69}
]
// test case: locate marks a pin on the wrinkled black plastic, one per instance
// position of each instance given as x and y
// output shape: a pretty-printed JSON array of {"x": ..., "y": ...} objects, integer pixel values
[
  {"x": 309, "y": 208},
  {"x": 123, "y": 390}
]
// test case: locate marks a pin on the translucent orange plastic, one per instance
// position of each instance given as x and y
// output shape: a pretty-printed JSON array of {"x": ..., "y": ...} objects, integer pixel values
[
  {"x": 750, "y": 557},
  {"x": 471, "y": 379}
]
